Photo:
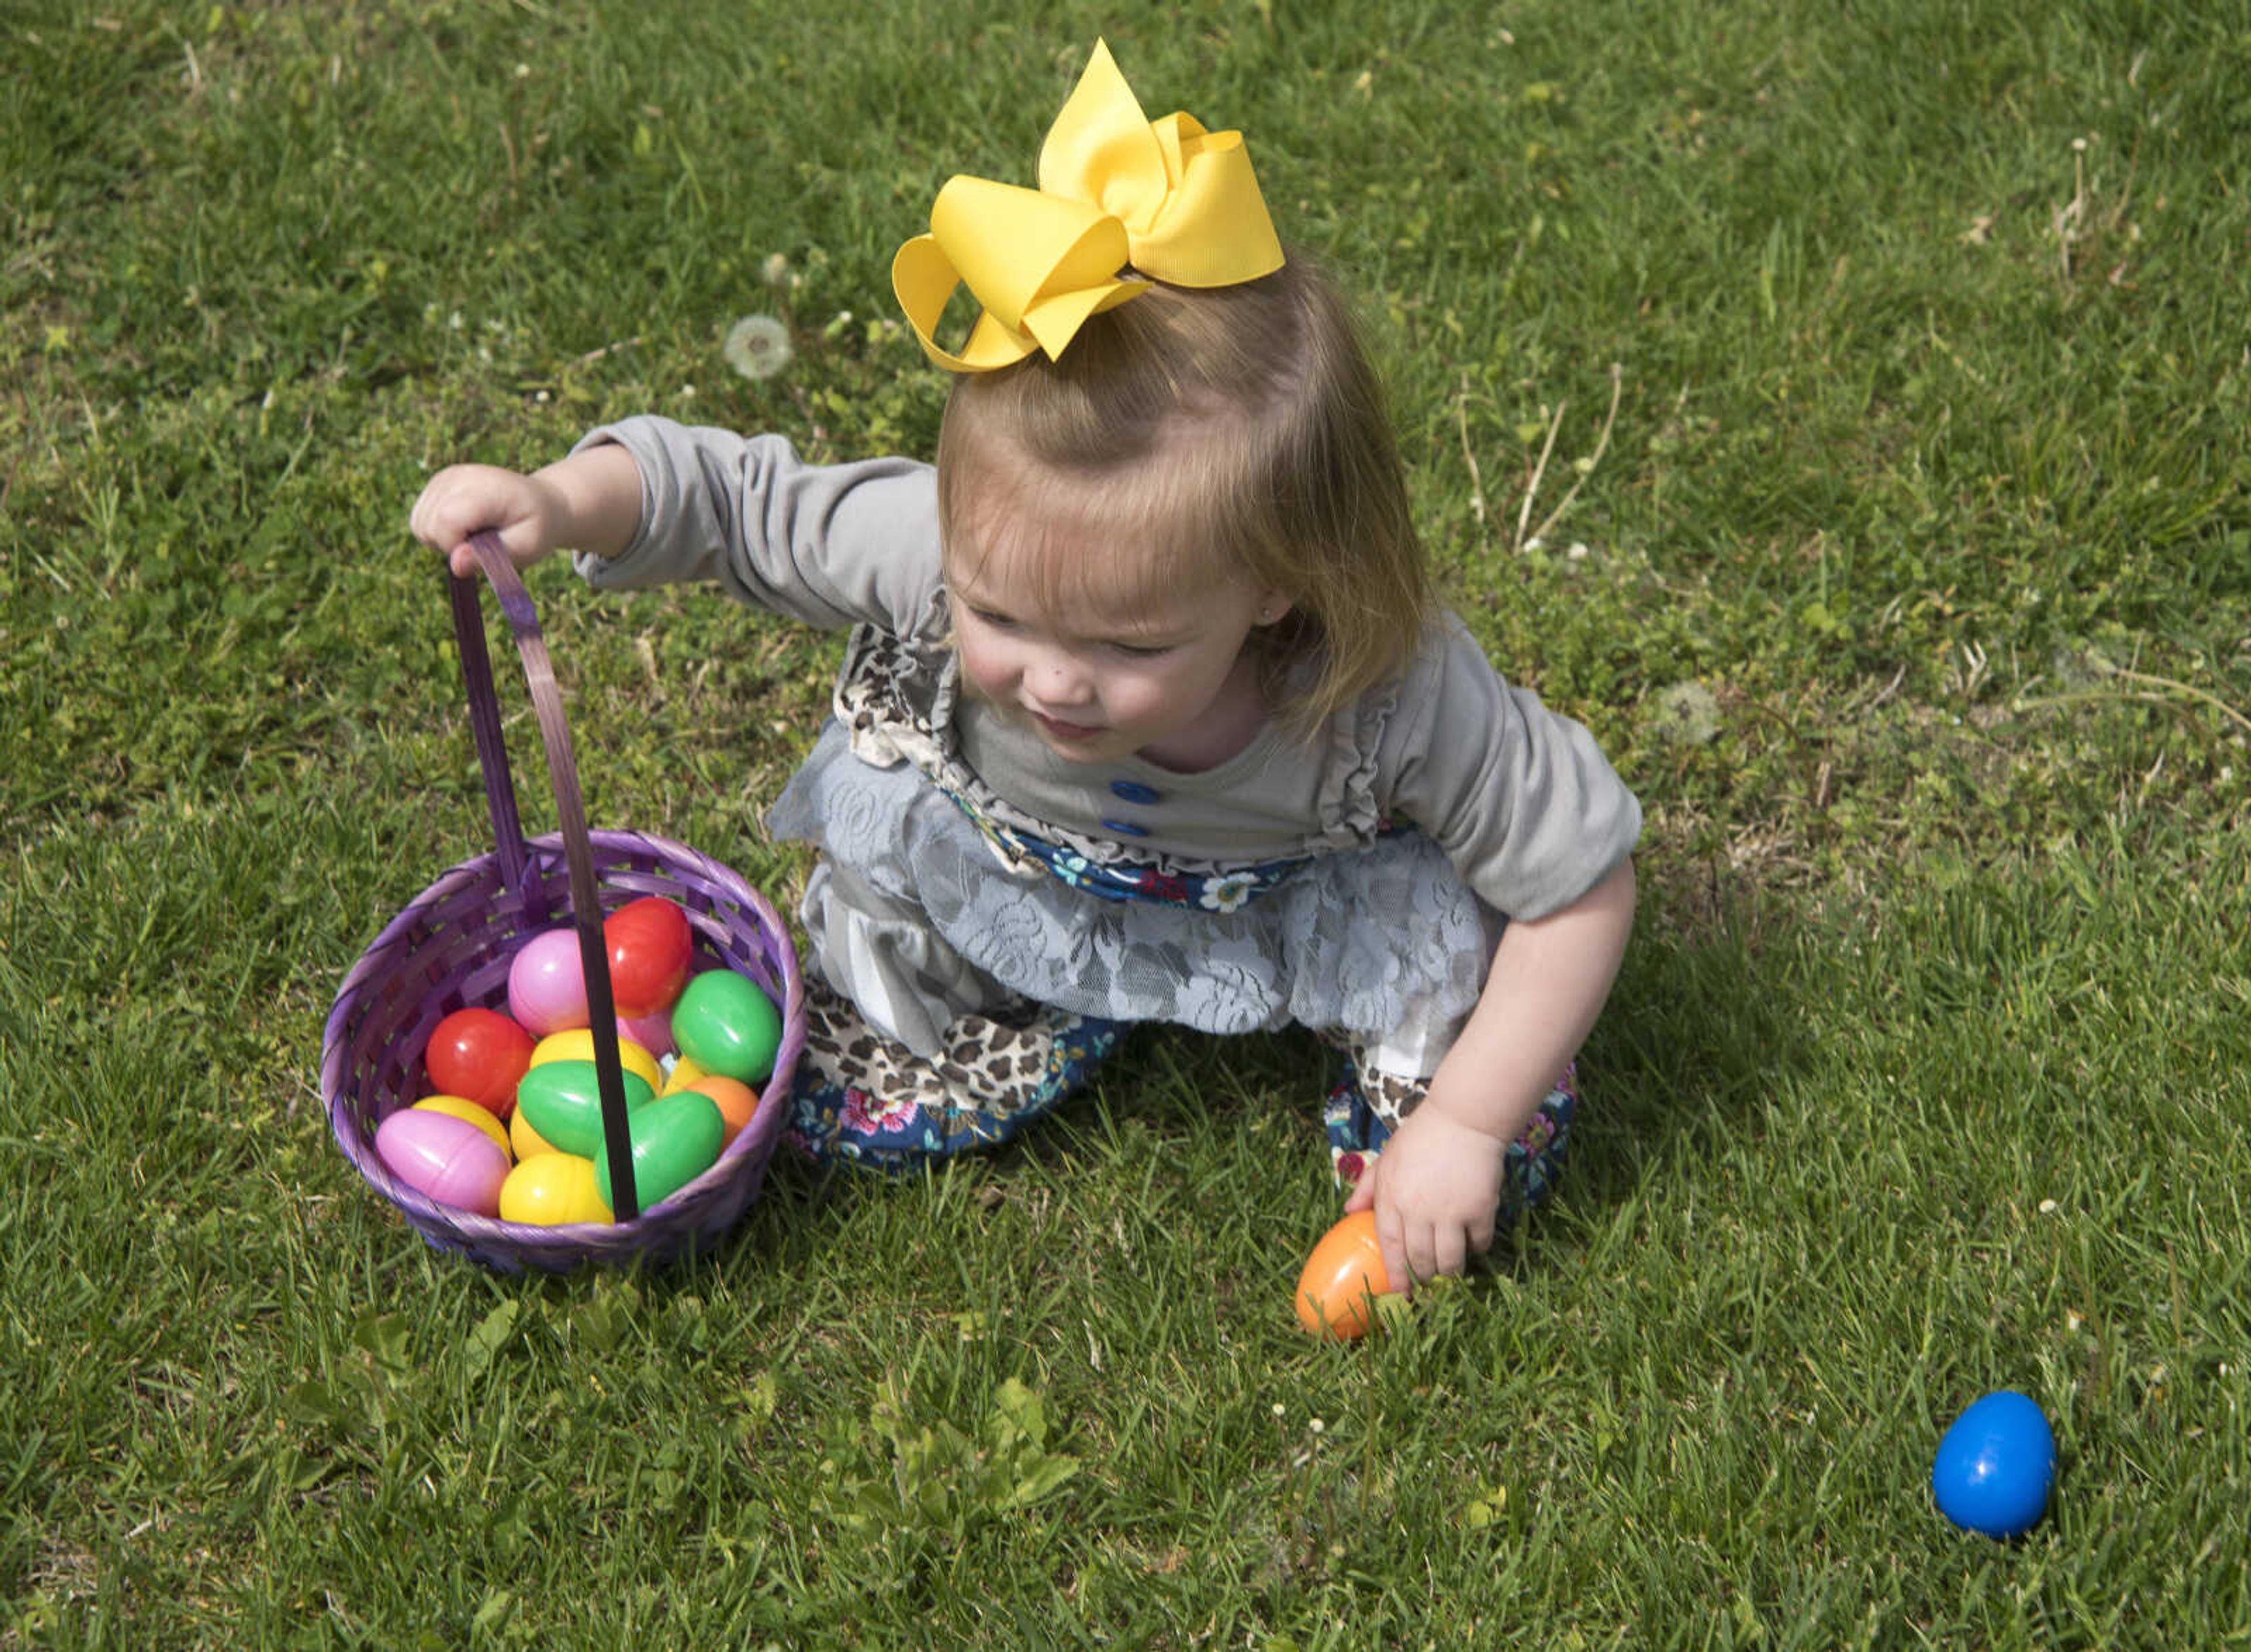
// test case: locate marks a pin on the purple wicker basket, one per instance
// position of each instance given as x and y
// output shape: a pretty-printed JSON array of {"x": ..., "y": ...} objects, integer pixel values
[{"x": 452, "y": 946}]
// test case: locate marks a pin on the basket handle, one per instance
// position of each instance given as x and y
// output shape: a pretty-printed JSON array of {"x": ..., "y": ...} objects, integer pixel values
[{"x": 508, "y": 830}]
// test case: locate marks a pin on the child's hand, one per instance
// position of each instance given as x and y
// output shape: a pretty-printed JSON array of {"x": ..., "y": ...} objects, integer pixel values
[
  {"x": 526, "y": 512},
  {"x": 1435, "y": 1188}
]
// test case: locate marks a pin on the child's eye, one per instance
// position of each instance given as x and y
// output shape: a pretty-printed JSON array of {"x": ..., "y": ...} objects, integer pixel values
[
  {"x": 998, "y": 621},
  {"x": 1142, "y": 650}
]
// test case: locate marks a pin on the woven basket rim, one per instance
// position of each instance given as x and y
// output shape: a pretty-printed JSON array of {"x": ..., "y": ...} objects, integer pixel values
[{"x": 660, "y": 1227}]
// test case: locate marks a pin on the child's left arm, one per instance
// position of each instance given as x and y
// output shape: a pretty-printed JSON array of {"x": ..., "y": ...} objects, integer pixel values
[{"x": 1438, "y": 1179}]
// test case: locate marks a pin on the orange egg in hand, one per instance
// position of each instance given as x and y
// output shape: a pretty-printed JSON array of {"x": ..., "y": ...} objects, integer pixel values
[{"x": 1345, "y": 1270}]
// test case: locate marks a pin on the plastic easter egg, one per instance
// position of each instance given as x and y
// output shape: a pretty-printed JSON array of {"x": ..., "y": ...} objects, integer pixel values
[
  {"x": 547, "y": 983},
  {"x": 736, "y": 1101},
  {"x": 564, "y": 1101},
  {"x": 726, "y": 1025},
  {"x": 682, "y": 1075},
  {"x": 526, "y": 1141},
  {"x": 1995, "y": 1465},
  {"x": 447, "y": 1159},
  {"x": 1345, "y": 1270},
  {"x": 651, "y": 951},
  {"x": 462, "y": 1108},
  {"x": 550, "y": 1190},
  {"x": 675, "y": 1138},
  {"x": 653, "y": 1032},
  {"x": 480, "y": 1054},
  {"x": 576, "y": 1044}
]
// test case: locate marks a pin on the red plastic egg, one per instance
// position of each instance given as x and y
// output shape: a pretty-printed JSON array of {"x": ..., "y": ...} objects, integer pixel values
[
  {"x": 651, "y": 951},
  {"x": 479, "y": 1054},
  {"x": 1345, "y": 1270}
]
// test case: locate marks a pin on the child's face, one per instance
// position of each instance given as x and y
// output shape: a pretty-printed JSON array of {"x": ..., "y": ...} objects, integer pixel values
[{"x": 1099, "y": 681}]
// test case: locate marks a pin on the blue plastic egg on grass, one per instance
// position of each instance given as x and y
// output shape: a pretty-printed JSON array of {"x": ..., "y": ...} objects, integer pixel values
[{"x": 1995, "y": 1465}]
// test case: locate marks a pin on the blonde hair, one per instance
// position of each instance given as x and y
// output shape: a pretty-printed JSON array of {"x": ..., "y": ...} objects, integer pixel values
[{"x": 1236, "y": 432}]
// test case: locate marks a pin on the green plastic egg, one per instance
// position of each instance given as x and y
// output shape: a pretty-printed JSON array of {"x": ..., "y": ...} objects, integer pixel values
[
  {"x": 562, "y": 1101},
  {"x": 725, "y": 1024},
  {"x": 675, "y": 1138}
]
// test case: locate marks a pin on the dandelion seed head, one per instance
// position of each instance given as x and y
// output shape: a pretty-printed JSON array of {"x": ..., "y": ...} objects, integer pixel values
[
  {"x": 758, "y": 347},
  {"x": 1686, "y": 714}
]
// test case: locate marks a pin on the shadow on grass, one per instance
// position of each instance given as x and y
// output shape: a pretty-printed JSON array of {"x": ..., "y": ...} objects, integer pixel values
[{"x": 1699, "y": 1024}]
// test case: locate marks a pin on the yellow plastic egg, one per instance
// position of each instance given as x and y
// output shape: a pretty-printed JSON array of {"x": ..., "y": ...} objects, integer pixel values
[
  {"x": 684, "y": 1075},
  {"x": 527, "y": 1142},
  {"x": 550, "y": 1190},
  {"x": 578, "y": 1045},
  {"x": 459, "y": 1106}
]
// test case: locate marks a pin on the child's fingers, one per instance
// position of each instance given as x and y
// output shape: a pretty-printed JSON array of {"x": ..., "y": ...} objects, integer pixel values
[
  {"x": 1391, "y": 1239},
  {"x": 461, "y": 500},
  {"x": 1482, "y": 1234},
  {"x": 1363, "y": 1192}
]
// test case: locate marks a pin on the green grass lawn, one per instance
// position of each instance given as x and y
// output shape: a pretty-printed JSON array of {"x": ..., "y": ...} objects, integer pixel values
[{"x": 1840, "y": 409}]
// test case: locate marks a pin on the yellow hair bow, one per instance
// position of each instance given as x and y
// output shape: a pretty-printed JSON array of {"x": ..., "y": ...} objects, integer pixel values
[{"x": 1172, "y": 200}]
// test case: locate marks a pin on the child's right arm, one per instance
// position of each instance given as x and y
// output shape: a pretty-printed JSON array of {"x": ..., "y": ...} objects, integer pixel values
[
  {"x": 649, "y": 501},
  {"x": 589, "y": 502}
]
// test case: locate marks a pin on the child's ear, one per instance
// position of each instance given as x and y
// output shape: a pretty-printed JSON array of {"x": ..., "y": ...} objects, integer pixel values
[{"x": 1271, "y": 606}]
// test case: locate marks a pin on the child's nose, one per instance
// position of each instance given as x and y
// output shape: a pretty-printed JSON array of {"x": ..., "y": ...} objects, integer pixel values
[{"x": 1058, "y": 680}]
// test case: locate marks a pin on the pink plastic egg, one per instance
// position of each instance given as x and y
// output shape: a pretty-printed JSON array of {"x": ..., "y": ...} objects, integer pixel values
[
  {"x": 547, "y": 984},
  {"x": 447, "y": 1159},
  {"x": 652, "y": 1032}
]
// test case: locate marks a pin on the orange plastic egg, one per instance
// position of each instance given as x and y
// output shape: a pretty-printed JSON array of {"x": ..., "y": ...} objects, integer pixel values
[
  {"x": 1344, "y": 1272},
  {"x": 737, "y": 1102}
]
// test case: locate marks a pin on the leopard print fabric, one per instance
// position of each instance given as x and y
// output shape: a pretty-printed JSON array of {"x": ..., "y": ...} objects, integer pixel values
[{"x": 865, "y": 1099}]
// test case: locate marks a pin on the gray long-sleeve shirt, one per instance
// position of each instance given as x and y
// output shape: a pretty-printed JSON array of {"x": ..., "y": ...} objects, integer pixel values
[{"x": 1519, "y": 797}]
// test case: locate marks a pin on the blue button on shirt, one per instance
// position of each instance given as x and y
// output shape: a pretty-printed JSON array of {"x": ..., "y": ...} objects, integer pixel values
[
  {"x": 1133, "y": 791},
  {"x": 1125, "y": 829}
]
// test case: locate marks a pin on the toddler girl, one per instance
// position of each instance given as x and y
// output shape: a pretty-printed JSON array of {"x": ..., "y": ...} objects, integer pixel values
[{"x": 1146, "y": 713}]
